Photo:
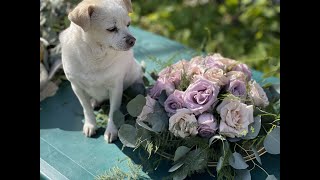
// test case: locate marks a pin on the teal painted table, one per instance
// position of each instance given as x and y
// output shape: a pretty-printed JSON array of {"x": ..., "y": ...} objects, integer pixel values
[{"x": 66, "y": 154}]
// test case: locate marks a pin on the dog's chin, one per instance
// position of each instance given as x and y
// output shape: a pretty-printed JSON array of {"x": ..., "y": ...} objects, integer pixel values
[{"x": 120, "y": 49}]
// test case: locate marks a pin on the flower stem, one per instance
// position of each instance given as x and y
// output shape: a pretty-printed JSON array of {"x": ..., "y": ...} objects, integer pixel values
[
  {"x": 255, "y": 164},
  {"x": 210, "y": 173}
]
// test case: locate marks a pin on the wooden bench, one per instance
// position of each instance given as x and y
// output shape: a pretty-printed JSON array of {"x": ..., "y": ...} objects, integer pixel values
[{"x": 66, "y": 154}]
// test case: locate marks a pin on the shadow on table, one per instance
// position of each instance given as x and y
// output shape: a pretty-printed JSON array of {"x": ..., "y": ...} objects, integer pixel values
[{"x": 62, "y": 111}]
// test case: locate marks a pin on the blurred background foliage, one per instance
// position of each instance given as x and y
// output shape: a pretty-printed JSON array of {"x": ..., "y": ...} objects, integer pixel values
[{"x": 245, "y": 30}]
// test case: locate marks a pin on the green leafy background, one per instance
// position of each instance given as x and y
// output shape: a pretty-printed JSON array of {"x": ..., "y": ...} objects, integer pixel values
[{"x": 246, "y": 30}]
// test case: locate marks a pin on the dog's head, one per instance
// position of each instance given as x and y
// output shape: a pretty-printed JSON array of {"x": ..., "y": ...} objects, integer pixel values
[{"x": 106, "y": 22}]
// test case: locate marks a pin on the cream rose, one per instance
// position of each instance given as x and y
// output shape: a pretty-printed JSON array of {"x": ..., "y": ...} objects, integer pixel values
[
  {"x": 194, "y": 70},
  {"x": 216, "y": 75},
  {"x": 231, "y": 75},
  {"x": 197, "y": 60},
  {"x": 183, "y": 123},
  {"x": 235, "y": 118},
  {"x": 258, "y": 95},
  {"x": 181, "y": 65}
]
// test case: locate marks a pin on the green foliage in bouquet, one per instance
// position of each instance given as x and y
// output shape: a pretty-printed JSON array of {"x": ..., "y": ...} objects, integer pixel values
[
  {"x": 197, "y": 139},
  {"x": 117, "y": 173}
]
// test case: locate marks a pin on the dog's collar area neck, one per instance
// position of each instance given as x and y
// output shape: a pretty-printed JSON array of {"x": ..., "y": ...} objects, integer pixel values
[
  {"x": 101, "y": 52},
  {"x": 100, "y": 46}
]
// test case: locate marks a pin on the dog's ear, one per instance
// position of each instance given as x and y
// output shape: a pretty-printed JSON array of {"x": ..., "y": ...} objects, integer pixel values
[
  {"x": 81, "y": 15},
  {"x": 128, "y": 5}
]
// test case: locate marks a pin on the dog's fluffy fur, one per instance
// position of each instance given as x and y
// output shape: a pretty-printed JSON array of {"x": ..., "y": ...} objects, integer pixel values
[{"x": 97, "y": 57}]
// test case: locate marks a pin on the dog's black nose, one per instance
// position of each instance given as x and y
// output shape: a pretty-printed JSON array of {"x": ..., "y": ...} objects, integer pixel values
[{"x": 130, "y": 40}]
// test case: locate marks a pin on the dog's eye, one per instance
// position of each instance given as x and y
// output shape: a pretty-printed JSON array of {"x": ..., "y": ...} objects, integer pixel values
[
  {"x": 128, "y": 25},
  {"x": 112, "y": 29}
]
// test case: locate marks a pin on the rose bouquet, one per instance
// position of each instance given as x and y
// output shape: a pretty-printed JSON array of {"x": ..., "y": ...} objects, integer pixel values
[{"x": 206, "y": 112}]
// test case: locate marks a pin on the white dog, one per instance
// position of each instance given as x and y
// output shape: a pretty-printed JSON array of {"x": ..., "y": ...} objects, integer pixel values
[{"x": 97, "y": 57}]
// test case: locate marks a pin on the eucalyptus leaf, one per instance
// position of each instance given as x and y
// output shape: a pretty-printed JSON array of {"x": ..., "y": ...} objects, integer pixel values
[
  {"x": 118, "y": 118},
  {"x": 271, "y": 177},
  {"x": 253, "y": 128},
  {"x": 242, "y": 174},
  {"x": 144, "y": 125},
  {"x": 272, "y": 141},
  {"x": 176, "y": 166},
  {"x": 272, "y": 93},
  {"x": 234, "y": 139},
  {"x": 276, "y": 87},
  {"x": 128, "y": 135},
  {"x": 256, "y": 154},
  {"x": 180, "y": 152},
  {"x": 179, "y": 176},
  {"x": 158, "y": 120},
  {"x": 136, "y": 105},
  {"x": 194, "y": 161},
  {"x": 237, "y": 161},
  {"x": 135, "y": 89}
]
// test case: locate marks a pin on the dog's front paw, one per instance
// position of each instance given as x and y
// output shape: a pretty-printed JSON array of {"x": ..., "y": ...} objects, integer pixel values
[
  {"x": 111, "y": 133},
  {"x": 89, "y": 129}
]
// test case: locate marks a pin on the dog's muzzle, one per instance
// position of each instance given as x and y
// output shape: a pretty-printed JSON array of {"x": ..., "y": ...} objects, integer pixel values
[{"x": 130, "y": 40}]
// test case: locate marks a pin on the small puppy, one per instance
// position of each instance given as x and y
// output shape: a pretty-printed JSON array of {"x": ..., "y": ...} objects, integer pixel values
[{"x": 97, "y": 57}]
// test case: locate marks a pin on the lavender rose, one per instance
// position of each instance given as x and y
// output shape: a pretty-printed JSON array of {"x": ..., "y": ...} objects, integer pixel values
[
  {"x": 237, "y": 88},
  {"x": 258, "y": 95},
  {"x": 214, "y": 62},
  {"x": 161, "y": 84},
  {"x": 200, "y": 95},
  {"x": 243, "y": 68},
  {"x": 207, "y": 125},
  {"x": 235, "y": 118},
  {"x": 174, "y": 102},
  {"x": 183, "y": 123}
]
